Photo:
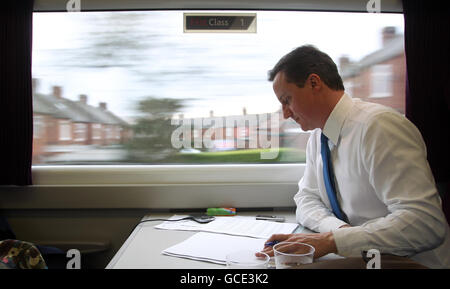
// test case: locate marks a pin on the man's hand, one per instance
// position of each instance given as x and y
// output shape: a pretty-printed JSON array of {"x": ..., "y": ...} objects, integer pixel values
[{"x": 323, "y": 243}]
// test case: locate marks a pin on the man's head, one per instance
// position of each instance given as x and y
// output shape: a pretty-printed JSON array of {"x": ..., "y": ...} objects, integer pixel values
[
  {"x": 298, "y": 64},
  {"x": 307, "y": 83}
]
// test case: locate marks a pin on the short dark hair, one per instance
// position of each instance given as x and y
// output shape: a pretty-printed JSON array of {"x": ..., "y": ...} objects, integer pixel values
[{"x": 298, "y": 64}]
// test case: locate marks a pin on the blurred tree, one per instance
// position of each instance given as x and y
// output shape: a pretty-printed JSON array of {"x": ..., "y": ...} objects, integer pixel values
[{"x": 153, "y": 129}]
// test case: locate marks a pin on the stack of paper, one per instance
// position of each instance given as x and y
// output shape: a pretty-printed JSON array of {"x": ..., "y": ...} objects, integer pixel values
[
  {"x": 237, "y": 225},
  {"x": 212, "y": 247},
  {"x": 222, "y": 236}
]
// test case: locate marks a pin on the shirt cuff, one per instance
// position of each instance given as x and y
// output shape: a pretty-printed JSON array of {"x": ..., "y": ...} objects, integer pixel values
[
  {"x": 349, "y": 241},
  {"x": 329, "y": 224}
]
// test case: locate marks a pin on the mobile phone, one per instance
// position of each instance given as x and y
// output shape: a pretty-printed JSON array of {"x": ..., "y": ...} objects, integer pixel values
[{"x": 270, "y": 218}]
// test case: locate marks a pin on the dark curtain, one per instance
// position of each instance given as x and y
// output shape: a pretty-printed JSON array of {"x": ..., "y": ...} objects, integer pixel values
[
  {"x": 427, "y": 48},
  {"x": 16, "y": 112}
]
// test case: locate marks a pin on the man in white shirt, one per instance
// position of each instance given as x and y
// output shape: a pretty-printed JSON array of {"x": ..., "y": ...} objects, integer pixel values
[{"x": 384, "y": 187}]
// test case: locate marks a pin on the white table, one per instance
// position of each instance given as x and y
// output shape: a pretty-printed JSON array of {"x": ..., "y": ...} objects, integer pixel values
[{"x": 142, "y": 249}]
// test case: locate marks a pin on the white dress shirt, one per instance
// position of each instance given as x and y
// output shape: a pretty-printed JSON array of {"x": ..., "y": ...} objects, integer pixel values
[{"x": 384, "y": 185}]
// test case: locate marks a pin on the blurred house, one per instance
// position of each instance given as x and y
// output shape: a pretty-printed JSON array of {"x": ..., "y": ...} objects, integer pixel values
[
  {"x": 245, "y": 131},
  {"x": 380, "y": 76},
  {"x": 59, "y": 122},
  {"x": 291, "y": 135}
]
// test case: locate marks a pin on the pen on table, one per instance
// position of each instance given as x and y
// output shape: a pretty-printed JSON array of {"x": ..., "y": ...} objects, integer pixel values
[
  {"x": 271, "y": 244},
  {"x": 270, "y": 218}
]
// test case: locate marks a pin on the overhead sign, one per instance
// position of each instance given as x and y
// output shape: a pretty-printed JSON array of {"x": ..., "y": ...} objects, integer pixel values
[{"x": 220, "y": 22}]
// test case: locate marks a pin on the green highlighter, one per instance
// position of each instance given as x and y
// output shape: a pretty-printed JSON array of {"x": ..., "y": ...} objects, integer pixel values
[{"x": 221, "y": 211}]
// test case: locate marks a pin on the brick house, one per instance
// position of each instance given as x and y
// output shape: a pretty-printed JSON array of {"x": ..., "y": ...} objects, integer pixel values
[
  {"x": 231, "y": 132},
  {"x": 59, "y": 122},
  {"x": 380, "y": 76},
  {"x": 292, "y": 136}
]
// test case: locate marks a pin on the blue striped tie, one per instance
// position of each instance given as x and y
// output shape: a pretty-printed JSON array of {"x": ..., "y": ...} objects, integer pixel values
[{"x": 328, "y": 177}]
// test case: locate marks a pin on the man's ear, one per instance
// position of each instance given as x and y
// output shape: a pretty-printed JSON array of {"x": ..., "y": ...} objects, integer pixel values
[{"x": 314, "y": 80}]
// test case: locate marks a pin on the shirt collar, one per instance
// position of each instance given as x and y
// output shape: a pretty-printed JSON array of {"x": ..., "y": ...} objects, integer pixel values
[{"x": 334, "y": 123}]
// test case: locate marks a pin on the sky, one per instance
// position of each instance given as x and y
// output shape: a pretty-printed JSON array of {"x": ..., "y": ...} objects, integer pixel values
[{"x": 123, "y": 57}]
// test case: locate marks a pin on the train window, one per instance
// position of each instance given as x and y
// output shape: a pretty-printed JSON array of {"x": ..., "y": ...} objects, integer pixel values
[{"x": 131, "y": 87}]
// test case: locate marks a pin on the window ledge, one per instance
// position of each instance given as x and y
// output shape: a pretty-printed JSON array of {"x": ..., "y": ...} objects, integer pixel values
[{"x": 132, "y": 175}]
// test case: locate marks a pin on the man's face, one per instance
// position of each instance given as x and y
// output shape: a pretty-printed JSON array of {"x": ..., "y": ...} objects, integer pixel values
[{"x": 297, "y": 103}]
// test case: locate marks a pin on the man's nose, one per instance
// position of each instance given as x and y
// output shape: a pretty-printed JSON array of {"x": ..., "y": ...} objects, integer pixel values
[{"x": 287, "y": 113}]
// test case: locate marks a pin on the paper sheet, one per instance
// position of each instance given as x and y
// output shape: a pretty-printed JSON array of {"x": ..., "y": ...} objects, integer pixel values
[
  {"x": 237, "y": 225},
  {"x": 212, "y": 247}
]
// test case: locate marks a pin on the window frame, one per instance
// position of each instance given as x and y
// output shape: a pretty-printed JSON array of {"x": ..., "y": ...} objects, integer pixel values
[
  {"x": 38, "y": 126},
  {"x": 64, "y": 130},
  {"x": 156, "y": 186},
  {"x": 119, "y": 175},
  {"x": 387, "y": 6},
  {"x": 80, "y": 132},
  {"x": 381, "y": 73}
]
